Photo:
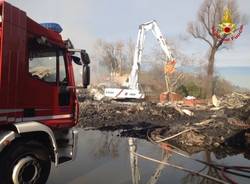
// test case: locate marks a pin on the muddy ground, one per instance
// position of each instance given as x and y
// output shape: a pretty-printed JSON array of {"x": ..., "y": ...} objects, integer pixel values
[{"x": 208, "y": 127}]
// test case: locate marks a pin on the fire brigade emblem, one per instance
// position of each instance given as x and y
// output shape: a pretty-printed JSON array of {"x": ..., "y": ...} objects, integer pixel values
[
  {"x": 227, "y": 26},
  {"x": 227, "y": 30}
]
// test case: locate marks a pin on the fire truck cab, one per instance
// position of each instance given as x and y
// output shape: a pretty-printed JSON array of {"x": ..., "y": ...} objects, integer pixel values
[{"x": 38, "y": 101}]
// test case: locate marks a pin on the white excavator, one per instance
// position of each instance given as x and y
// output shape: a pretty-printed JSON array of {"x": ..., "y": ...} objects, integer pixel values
[{"x": 131, "y": 88}]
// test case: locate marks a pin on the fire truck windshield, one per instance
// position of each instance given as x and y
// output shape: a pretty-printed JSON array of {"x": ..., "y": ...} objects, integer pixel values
[{"x": 43, "y": 65}]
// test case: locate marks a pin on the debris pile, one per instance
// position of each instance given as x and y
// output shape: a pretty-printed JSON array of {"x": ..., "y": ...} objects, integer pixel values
[
  {"x": 208, "y": 125},
  {"x": 101, "y": 114},
  {"x": 234, "y": 100}
]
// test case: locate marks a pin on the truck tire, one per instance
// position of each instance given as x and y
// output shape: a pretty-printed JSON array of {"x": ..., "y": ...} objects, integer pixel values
[{"x": 25, "y": 162}]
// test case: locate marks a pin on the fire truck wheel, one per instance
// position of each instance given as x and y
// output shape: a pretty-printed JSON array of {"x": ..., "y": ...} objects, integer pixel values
[{"x": 25, "y": 162}]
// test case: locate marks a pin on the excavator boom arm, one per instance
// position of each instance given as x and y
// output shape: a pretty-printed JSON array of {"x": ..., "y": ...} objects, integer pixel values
[{"x": 143, "y": 28}]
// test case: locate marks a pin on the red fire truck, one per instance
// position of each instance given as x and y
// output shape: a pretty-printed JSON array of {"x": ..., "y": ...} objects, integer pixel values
[{"x": 38, "y": 102}]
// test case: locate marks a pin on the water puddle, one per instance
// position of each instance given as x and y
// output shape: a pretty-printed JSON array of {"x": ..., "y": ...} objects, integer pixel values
[{"x": 103, "y": 157}]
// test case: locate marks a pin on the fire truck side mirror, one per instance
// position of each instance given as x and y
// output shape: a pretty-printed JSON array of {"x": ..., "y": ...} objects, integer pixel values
[
  {"x": 76, "y": 60},
  {"x": 85, "y": 69},
  {"x": 85, "y": 75}
]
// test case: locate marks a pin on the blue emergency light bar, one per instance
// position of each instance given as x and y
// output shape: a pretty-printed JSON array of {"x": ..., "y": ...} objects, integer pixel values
[{"x": 53, "y": 26}]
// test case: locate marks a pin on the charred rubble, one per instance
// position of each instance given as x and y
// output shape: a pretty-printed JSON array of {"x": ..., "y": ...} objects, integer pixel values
[{"x": 208, "y": 126}]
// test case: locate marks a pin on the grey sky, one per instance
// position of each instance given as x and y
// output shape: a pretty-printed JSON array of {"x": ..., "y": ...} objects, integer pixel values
[{"x": 86, "y": 20}]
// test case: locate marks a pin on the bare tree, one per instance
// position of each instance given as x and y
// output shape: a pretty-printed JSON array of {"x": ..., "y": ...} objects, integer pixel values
[
  {"x": 119, "y": 54},
  {"x": 110, "y": 56},
  {"x": 130, "y": 49},
  {"x": 210, "y": 15}
]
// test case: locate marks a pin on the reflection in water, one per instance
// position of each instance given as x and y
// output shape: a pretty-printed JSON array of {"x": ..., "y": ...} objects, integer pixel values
[
  {"x": 107, "y": 145},
  {"x": 210, "y": 173},
  {"x": 209, "y": 170},
  {"x": 133, "y": 161},
  {"x": 134, "y": 164},
  {"x": 105, "y": 158},
  {"x": 155, "y": 177}
]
